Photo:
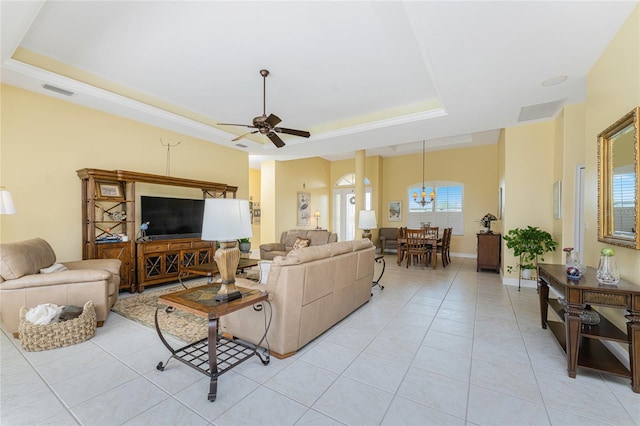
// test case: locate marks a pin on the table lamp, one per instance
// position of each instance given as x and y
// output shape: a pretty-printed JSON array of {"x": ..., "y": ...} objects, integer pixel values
[
  {"x": 367, "y": 222},
  {"x": 6, "y": 202},
  {"x": 226, "y": 220},
  {"x": 317, "y": 216}
]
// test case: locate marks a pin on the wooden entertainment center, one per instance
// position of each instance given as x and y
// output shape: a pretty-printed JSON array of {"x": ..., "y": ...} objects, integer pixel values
[{"x": 109, "y": 227}]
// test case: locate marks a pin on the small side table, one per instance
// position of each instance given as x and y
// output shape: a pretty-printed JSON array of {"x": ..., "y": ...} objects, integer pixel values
[{"x": 379, "y": 259}]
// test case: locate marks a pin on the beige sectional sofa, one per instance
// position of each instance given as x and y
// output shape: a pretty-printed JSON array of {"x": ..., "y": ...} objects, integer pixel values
[
  {"x": 317, "y": 237},
  {"x": 310, "y": 290},
  {"x": 22, "y": 283}
]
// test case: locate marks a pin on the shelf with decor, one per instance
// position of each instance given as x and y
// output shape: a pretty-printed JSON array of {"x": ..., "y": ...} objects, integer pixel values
[{"x": 109, "y": 226}]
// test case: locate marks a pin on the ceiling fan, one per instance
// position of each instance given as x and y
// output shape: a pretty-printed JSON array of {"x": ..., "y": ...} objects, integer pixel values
[{"x": 266, "y": 125}]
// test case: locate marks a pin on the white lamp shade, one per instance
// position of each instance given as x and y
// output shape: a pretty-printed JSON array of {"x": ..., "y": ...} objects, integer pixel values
[
  {"x": 6, "y": 203},
  {"x": 226, "y": 219},
  {"x": 367, "y": 219}
]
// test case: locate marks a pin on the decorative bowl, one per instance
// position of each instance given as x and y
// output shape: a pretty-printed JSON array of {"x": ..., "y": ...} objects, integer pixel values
[{"x": 573, "y": 273}]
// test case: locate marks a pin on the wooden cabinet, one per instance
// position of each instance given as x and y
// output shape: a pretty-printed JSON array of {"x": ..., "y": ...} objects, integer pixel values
[
  {"x": 162, "y": 261},
  {"x": 109, "y": 226},
  {"x": 585, "y": 344},
  {"x": 489, "y": 246},
  {"x": 122, "y": 252}
]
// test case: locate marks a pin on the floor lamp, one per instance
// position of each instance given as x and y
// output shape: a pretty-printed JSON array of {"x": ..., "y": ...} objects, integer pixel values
[{"x": 226, "y": 220}]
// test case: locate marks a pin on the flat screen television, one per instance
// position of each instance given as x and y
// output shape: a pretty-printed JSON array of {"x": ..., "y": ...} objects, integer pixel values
[{"x": 172, "y": 217}]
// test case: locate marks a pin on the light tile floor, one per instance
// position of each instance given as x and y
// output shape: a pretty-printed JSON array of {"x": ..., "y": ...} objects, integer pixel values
[{"x": 443, "y": 347}]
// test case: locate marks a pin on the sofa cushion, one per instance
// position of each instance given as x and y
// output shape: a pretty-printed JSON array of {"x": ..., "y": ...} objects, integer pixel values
[
  {"x": 304, "y": 255},
  {"x": 301, "y": 243},
  {"x": 25, "y": 258}
]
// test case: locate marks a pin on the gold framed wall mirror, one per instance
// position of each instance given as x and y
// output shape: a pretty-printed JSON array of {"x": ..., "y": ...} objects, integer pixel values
[{"x": 618, "y": 171}]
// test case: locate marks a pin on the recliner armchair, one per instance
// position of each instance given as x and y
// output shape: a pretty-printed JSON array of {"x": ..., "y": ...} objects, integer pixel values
[
  {"x": 23, "y": 284},
  {"x": 388, "y": 238}
]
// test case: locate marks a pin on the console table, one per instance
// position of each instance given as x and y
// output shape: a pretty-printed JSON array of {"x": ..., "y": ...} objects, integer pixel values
[{"x": 584, "y": 343}]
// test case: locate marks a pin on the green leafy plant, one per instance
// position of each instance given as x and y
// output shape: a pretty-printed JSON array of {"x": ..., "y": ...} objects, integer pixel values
[
  {"x": 243, "y": 240},
  {"x": 529, "y": 244}
]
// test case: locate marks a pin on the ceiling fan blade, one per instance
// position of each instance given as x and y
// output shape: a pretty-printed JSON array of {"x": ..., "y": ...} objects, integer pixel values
[
  {"x": 275, "y": 139},
  {"x": 242, "y": 136},
  {"x": 301, "y": 133},
  {"x": 272, "y": 120},
  {"x": 233, "y": 124}
]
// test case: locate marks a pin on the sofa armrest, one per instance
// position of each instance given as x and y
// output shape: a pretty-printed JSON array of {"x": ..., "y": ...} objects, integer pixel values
[
  {"x": 57, "y": 278},
  {"x": 110, "y": 265},
  {"x": 272, "y": 247}
]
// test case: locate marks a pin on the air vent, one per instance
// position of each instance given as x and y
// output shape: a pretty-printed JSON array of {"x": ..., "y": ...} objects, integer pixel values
[
  {"x": 540, "y": 111},
  {"x": 58, "y": 90},
  {"x": 239, "y": 145}
]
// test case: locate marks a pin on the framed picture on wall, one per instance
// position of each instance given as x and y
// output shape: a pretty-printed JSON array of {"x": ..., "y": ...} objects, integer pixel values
[
  {"x": 304, "y": 206},
  {"x": 394, "y": 211}
]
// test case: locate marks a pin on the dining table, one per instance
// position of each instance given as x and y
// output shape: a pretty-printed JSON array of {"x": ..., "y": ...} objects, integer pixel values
[{"x": 431, "y": 240}]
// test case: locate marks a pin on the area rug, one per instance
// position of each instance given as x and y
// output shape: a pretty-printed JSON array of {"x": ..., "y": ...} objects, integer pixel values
[{"x": 142, "y": 308}]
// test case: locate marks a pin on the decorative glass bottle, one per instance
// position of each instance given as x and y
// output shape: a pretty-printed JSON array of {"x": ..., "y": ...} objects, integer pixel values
[
  {"x": 575, "y": 270},
  {"x": 607, "y": 273}
]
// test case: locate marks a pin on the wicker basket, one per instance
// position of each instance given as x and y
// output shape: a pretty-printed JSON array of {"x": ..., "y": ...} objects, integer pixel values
[{"x": 58, "y": 334}]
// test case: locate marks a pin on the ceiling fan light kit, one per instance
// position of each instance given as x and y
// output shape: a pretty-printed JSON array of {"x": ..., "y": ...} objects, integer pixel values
[{"x": 266, "y": 125}]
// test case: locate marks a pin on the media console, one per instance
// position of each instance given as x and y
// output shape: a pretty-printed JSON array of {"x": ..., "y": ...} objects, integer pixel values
[{"x": 109, "y": 209}]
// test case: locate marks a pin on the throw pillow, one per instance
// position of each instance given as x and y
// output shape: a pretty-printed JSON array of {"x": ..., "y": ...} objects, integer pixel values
[{"x": 301, "y": 242}]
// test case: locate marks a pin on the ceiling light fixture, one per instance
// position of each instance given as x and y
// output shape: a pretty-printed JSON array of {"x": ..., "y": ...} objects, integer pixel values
[
  {"x": 554, "y": 81},
  {"x": 423, "y": 196}
]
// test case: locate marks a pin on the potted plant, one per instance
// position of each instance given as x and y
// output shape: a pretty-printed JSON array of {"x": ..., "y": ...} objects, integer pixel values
[
  {"x": 528, "y": 244},
  {"x": 486, "y": 222},
  {"x": 244, "y": 245}
]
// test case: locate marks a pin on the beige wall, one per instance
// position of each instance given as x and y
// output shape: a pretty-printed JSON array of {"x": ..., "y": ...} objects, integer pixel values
[
  {"x": 254, "y": 195},
  {"x": 528, "y": 182},
  {"x": 45, "y": 140},
  {"x": 613, "y": 89},
  {"x": 281, "y": 182},
  {"x": 476, "y": 167}
]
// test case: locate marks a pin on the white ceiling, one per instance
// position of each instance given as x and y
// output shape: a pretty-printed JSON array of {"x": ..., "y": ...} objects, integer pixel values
[{"x": 380, "y": 76}]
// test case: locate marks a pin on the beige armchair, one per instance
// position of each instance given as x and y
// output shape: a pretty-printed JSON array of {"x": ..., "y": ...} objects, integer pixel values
[
  {"x": 25, "y": 280},
  {"x": 388, "y": 238}
]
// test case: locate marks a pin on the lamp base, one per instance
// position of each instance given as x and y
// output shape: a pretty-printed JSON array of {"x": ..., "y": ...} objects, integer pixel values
[
  {"x": 227, "y": 257},
  {"x": 227, "y": 293},
  {"x": 366, "y": 234}
]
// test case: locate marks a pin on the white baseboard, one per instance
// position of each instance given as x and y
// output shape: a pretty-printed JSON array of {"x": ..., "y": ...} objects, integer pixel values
[{"x": 523, "y": 283}]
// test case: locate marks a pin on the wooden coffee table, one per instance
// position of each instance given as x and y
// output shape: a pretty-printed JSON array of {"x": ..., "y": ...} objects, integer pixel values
[
  {"x": 226, "y": 352},
  {"x": 210, "y": 270}
]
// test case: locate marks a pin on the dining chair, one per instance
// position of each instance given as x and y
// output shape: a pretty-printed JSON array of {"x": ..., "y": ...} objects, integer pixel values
[
  {"x": 443, "y": 246},
  {"x": 416, "y": 246}
]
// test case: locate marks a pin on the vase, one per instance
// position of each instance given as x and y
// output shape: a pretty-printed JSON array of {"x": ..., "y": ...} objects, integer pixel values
[
  {"x": 607, "y": 273},
  {"x": 527, "y": 273},
  {"x": 575, "y": 270}
]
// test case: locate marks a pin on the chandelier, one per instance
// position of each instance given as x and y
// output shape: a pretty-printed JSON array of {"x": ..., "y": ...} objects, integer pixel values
[{"x": 423, "y": 201}]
